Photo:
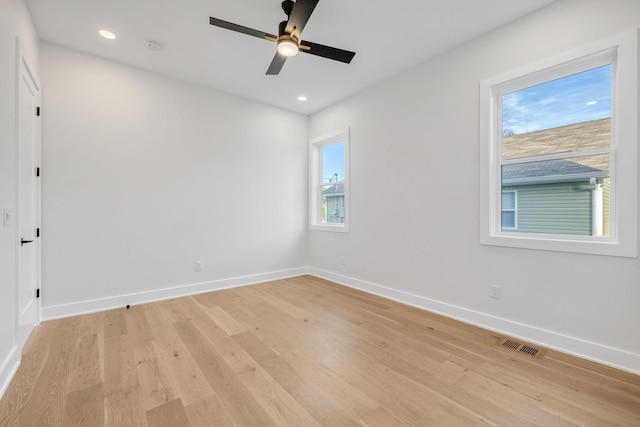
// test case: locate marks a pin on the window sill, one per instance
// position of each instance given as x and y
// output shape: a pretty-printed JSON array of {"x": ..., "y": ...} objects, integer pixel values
[
  {"x": 562, "y": 243},
  {"x": 338, "y": 228}
]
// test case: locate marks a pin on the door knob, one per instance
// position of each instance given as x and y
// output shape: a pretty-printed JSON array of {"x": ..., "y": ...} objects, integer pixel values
[{"x": 23, "y": 241}]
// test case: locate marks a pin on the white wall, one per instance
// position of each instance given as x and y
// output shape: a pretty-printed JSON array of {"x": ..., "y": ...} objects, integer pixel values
[
  {"x": 143, "y": 175},
  {"x": 415, "y": 200},
  {"x": 15, "y": 21}
]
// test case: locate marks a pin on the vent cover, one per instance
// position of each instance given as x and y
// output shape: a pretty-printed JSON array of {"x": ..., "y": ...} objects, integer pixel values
[
  {"x": 527, "y": 349},
  {"x": 511, "y": 344}
]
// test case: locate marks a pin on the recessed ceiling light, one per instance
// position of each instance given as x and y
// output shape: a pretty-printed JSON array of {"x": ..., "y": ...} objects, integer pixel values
[
  {"x": 107, "y": 34},
  {"x": 302, "y": 98}
]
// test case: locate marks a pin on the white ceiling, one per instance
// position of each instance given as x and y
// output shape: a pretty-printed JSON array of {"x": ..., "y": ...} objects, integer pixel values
[{"x": 387, "y": 36}]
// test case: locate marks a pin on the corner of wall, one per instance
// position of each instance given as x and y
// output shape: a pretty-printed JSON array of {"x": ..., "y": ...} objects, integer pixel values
[{"x": 102, "y": 304}]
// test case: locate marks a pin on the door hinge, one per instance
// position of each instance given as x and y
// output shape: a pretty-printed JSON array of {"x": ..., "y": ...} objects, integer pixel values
[
  {"x": 38, "y": 232},
  {"x": 38, "y": 293},
  {"x": 38, "y": 111},
  {"x": 37, "y": 171}
]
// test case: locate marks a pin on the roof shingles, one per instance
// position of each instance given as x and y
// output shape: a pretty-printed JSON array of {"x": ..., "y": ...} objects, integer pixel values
[{"x": 577, "y": 137}]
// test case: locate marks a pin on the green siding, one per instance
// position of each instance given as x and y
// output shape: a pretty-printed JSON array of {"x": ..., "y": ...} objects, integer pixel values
[
  {"x": 606, "y": 206},
  {"x": 559, "y": 208},
  {"x": 334, "y": 209}
]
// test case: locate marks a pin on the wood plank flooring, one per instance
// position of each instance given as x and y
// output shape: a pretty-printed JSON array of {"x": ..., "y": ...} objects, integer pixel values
[{"x": 300, "y": 352}]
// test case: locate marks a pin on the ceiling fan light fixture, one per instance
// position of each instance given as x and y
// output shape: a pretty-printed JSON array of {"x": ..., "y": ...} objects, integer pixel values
[{"x": 287, "y": 46}]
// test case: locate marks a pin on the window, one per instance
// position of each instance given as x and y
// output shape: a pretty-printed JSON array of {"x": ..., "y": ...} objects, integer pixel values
[
  {"x": 559, "y": 152},
  {"x": 509, "y": 210},
  {"x": 329, "y": 190},
  {"x": 555, "y": 149}
]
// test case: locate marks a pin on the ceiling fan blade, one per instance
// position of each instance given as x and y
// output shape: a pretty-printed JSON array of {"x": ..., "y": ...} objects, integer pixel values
[
  {"x": 300, "y": 15},
  {"x": 327, "y": 51},
  {"x": 240, "y": 29},
  {"x": 276, "y": 64}
]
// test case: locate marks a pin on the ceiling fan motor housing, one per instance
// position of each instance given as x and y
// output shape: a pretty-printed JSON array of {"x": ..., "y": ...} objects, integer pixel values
[
  {"x": 287, "y": 43},
  {"x": 282, "y": 30}
]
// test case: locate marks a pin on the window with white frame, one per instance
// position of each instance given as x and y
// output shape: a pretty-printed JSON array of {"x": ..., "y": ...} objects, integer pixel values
[
  {"x": 559, "y": 152},
  {"x": 329, "y": 184},
  {"x": 509, "y": 217}
]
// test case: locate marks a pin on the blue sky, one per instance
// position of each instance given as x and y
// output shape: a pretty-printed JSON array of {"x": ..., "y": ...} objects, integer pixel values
[
  {"x": 573, "y": 99},
  {"x": 333, "y": 161}
]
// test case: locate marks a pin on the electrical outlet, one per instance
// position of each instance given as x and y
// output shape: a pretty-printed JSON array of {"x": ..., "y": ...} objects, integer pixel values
[
  {"x": 197, "y": 266},
  {"x": 494, "y": 291}
]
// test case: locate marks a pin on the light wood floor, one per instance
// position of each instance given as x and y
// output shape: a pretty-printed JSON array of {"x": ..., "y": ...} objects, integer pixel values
[{"x": 300, "y": 352}]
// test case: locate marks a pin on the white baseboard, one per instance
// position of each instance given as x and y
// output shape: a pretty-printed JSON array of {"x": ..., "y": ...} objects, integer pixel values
[
  {"x": 609, "y": 356},
  {"x": 8, "y": 369},
  {"x": 613, "y": 357},
  {"x": 119, "y": 301}
]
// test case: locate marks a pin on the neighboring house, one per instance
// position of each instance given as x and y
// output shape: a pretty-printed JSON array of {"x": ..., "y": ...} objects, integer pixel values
[
  {"x": 333, "y": 203},
  {"x": 558, "y": 196}
]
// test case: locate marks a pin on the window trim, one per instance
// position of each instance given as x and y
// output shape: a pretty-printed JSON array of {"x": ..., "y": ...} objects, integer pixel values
[
  {"x": 624, "y": 151},
  {"x": 315, "y": 181}
]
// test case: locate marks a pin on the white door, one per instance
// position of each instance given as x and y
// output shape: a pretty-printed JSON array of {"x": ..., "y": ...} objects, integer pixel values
[{"x": 28, "y": 137}]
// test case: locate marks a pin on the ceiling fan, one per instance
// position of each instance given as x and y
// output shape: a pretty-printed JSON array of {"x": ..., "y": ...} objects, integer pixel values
[{"x": 288, "y": 38}]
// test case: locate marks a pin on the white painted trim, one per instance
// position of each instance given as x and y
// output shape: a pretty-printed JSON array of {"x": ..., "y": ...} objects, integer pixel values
[
  {"x": 119, "y": 301},
  {"x": 616, "y": 358},
  {"x": 8, "y": 369}
]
